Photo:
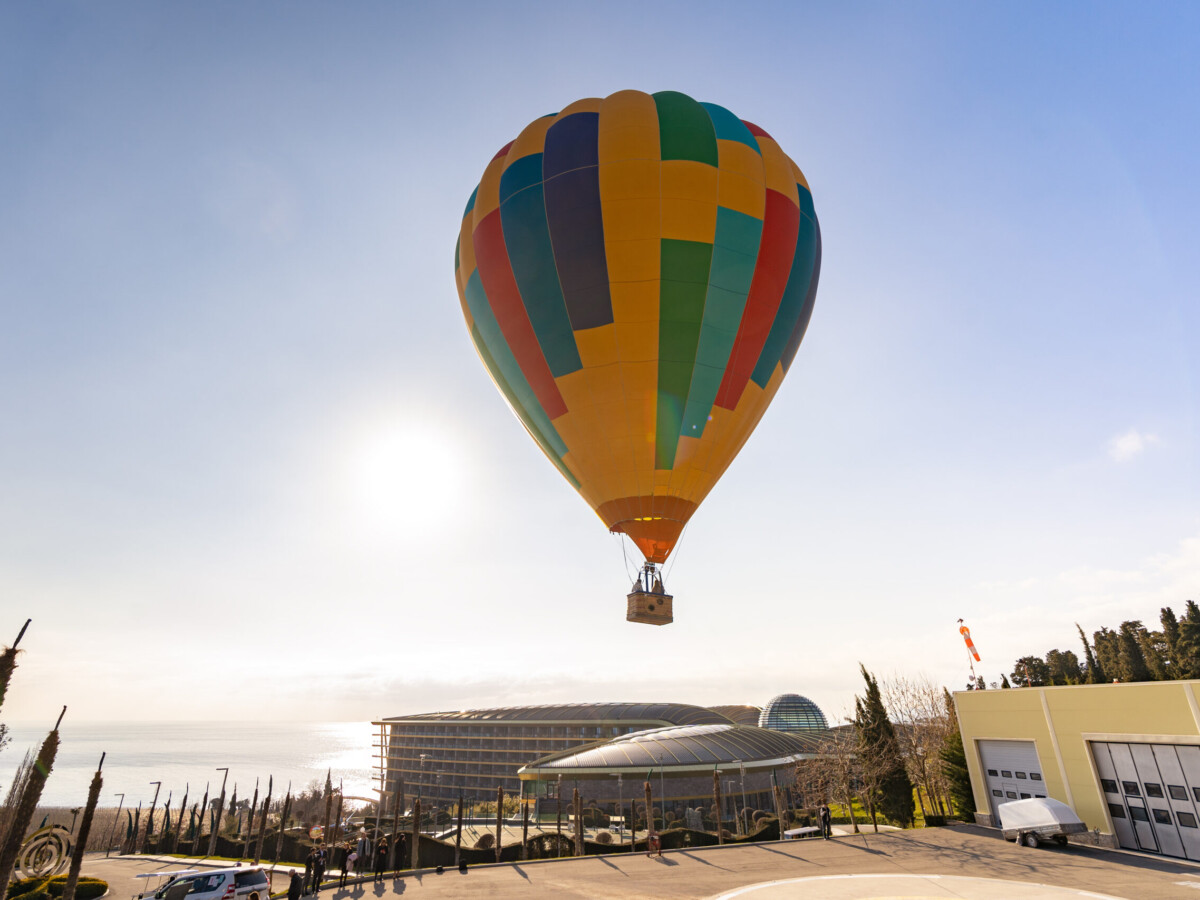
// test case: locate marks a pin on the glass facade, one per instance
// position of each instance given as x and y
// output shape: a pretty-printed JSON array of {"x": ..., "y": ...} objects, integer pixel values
[{"x": 791, "y": 712}]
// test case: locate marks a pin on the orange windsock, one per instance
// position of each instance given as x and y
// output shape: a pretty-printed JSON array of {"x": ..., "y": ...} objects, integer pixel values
[{"x": 962, "y": 629}]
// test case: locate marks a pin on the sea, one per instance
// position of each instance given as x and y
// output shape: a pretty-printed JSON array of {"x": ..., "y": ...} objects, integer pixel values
[{"x": 189, "y": 755}]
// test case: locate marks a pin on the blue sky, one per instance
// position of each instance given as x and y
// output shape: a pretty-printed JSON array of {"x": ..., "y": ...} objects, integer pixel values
[{"x": 250, "y": 464}]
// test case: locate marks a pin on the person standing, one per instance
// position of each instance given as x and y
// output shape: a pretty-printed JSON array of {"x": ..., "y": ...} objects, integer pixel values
[
  {"x": 826, "y": 821},
  {"x": 308, "y": 870},
  {"x": 295, "y": 885},
  {"x": 348, "y": 866},
  {"x": 381, "y": 852},
  {"x": 319, "y": 868}
]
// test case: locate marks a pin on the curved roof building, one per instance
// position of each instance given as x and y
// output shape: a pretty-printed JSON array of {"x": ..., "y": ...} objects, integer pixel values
[
  {"x": 792, "y": 713},
  {"x": 739, "y": 715},
  {"x": 678, "y": 748}
]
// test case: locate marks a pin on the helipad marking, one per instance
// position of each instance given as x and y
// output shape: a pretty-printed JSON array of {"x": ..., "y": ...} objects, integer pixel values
[{"x": 990, "y": 882}]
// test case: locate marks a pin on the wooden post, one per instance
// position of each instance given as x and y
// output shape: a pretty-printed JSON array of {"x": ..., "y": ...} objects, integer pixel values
[
  {"x": 85, "y": 826},
  {"x": 262, "y": 825},
  {"x": 458, "y": 831},
  {"x": 283, "y": 819},
  {"x": 650, "y": 829},
  {"x": 415, "y": 855},
  {"x": 577, "y": 803},
  {"x": 524, "y": 829},
  {"x": 250, "y": 822},
  {"x": 558, "y": 824},
  {"x": 179, "y": 822},
  {"x": 200, "y": 821},
  {"x": 717, "y": 805},
  {"x": 499, "y": 819}
]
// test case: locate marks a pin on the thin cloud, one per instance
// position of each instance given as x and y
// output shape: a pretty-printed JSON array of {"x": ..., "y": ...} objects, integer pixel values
[{"x": 1130, "y": 445}]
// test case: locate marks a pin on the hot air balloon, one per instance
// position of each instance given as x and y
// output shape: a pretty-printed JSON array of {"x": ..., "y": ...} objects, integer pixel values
[{"x": 637, "y": 273}]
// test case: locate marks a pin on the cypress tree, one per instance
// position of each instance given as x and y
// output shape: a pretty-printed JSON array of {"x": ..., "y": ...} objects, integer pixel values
[
  {"x": 1108, "y": 652},
  {"x": 1004, "y": 681},
  {"x": 878, "y": 743},
  {"x": 8, "y": 662},
  {"x": 1094, "y": 674},
  {"x": 954, "y": 763},
  {"x": 1170, "y": 633},
  {"x": 1189, "y": 641},
  {"x": 1133, "y": 665}
]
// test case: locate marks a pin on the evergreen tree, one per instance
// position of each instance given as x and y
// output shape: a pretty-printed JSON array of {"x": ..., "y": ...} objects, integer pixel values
[
  {"x": 1031, "y": 671},
  {"x": 954, "y": 764},
  {"x": 1189, "y": 641},
  {"x": 1170, "y": 633},
  {"x": 1154, "y": 649},
  {"x": 1095, "y": 674},
  {"x": 1004, "y": 681},
  {"x": 877, "y": 742},
  {"x": 1064, "y": 668},
  {"x": 1108, "y": 652},
  {"x": 1132, "y": 662}
]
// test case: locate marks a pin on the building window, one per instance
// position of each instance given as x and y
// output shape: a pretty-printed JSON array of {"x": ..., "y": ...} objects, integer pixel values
[
  {"x": 1110, "y": 786},
  {"x": 993, "y": 773},
  {"x": 1011, "y": 795},
  {"x": 997, "y": 793},
  {"x": 1138, "y": 814},
  {"x": 1024, "y": 796},
  {"x": 1116, "y": 810},
  {"x": 1021, "y": 775},
  {"x": 1131, "y": 788},
  {"x": 1177, "y": 791},
  {"x": 1036, "y": 776},
  {"x": 1162, "y": 816},
  {"x": 1005, "y": 773},
  {"x": 1153, "y": 789},
  {"x": 1186, "y": 820}
]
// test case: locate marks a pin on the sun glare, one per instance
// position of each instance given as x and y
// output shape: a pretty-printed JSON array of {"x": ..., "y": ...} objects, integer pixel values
[{"x": 405, "y": 481}]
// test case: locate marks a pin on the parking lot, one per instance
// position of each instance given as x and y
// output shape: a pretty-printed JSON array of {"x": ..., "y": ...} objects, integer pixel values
[{"x": 958, "y": 857}]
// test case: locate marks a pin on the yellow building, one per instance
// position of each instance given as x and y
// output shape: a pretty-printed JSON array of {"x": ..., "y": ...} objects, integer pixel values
[{"x": 1126, "y": 757}]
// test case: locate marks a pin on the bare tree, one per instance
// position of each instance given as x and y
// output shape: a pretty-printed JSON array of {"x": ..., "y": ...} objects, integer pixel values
[
  {"x": 923, "y": 723},
  {"x": 834, "y": 774}
]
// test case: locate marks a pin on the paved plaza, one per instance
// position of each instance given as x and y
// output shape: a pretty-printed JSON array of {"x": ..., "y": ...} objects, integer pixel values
[{"x": 960, "y": 862}]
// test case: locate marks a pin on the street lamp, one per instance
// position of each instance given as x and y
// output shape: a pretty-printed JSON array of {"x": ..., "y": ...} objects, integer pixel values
[{"x": 620, "y": 807}]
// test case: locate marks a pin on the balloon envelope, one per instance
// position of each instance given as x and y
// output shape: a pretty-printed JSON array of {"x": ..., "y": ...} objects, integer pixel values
[{"x": 637, "y": 273}]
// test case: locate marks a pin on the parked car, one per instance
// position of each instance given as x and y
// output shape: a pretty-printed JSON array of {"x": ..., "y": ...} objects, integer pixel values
[
  {"x": 1038, "y": 819},
  {"x": 239, "y": 883}
]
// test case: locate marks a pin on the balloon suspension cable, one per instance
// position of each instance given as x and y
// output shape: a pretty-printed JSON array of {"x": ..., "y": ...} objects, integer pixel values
[
  {"x": 670, "y": 565},
  {"x": 621, "y": 536}
]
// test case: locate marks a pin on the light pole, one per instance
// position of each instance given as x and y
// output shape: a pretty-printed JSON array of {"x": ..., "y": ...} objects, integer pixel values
[
  {"x": 620, "y": 807},
  {"x": 662, "y": 788},
  {"x": 113, "y": 831}
]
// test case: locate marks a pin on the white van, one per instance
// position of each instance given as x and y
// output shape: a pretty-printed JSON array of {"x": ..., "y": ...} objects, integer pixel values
[{"x": 239, "y": 883}]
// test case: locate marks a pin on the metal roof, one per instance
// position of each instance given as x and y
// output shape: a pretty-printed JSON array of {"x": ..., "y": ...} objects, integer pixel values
[
  {"x": 739, "y": 715},
  {"x": 665, "y": 713},
  {"x": 702, "y": 746}
]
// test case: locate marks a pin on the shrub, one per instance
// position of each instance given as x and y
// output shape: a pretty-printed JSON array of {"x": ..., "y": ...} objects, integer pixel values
[
  {"x": 52, "y": 888},
  {"x": 604, "y": 837},
  {"x": 486, "y": 841}
]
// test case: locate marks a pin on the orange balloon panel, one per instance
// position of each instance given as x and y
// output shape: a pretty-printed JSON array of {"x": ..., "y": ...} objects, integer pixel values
[{"x": 637, "y": 274}]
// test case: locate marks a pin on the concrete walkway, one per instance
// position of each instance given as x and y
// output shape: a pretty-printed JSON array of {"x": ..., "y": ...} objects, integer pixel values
[{"x": 923, "y": 863}]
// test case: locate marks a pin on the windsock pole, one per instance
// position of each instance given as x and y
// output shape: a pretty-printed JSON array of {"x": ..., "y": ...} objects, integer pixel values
[{"x": 972, "y": 653}]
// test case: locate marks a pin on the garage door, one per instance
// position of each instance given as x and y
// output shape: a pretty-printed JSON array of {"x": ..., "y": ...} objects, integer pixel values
[
  {"x": 1153, "y": 795},
  {"x": 1011, "y": 771}
]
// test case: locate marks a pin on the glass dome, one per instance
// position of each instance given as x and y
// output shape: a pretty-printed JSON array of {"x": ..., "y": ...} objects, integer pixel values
[{"x": 791, "y": 712}]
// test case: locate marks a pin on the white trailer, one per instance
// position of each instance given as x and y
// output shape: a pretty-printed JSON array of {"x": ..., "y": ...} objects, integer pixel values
[{"x": 1029, "y": 822}]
